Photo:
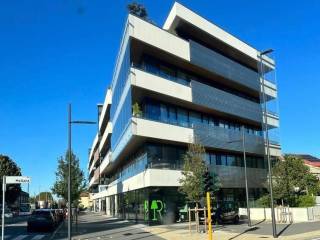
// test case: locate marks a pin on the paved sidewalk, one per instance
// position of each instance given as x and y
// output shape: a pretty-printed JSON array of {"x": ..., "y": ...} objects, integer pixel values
[
  {"x": 96, "y": 226},
  {"x": 263, "y": 230},
  {"x": 93, "y": 226}
]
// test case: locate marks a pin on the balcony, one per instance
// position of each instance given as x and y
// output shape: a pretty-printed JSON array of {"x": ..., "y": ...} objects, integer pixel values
[
  {"x": 105, "y": 162},
  {"x": 233, "y": 177},
  {"x": 104, "y": 118},
  {"x": 93, "y": 147},
  {"x": 200, "y": 94},
  {"x": 95, "y": 178},
  {"x": 224, "y": 102},
  {"x": 95, "y": 159},
  {"x": 105, "y": 137},
  {"x": 223, "y": 66}
]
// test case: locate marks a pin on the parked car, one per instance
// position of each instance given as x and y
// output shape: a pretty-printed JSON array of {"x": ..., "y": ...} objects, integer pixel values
[
  {"x": 41, "y": 219},
  {"x": 7, "y": 213},
  {"x": 225, "y": 212}
]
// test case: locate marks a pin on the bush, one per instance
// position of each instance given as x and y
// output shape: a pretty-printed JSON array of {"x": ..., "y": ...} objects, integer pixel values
[
  {"x": 306, "y": 201},
  {"x": 263, "y": 201}
]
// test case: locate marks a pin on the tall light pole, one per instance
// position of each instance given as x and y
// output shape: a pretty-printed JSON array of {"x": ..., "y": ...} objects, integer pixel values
[
  {"x": 262, "y": 80},
  {"x": 70, "y": 122},
  {"x": 245, "y": 171}
]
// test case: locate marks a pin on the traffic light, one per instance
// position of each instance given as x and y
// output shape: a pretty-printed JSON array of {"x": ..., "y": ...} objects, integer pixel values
[{"x": 208, "y": 181}]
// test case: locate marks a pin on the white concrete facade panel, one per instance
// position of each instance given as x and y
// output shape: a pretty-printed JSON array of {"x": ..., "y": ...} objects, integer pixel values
[
  {"x": 148, "y": 178},
  {"x": 163, "y": 131}
]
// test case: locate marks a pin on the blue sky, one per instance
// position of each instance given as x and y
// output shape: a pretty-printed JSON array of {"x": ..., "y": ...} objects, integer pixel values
[{"x": 56, "y": 52}]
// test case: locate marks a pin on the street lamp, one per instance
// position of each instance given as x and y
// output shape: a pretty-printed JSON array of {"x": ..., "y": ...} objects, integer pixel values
[
  {"x": 70, "y": 122},
  {"x": 262, "y": 80},
  {"x": 245, "y": 172}
]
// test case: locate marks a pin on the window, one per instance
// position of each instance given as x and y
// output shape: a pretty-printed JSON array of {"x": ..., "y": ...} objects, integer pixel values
[
  {"x": 213, "y": 159},
  {"x": 218, "y": 160},
  {"x": 207, "y": 158},
  {"x": 224, "y": 160},
  {"x": 167, "y": 72},
  {"x": 153, "y": 111},
  {"x": 231, "y": 160},
  {"x": 163, "y": 113},
  {"x": 195, "y": 118},
  {"x": 205, "y": 119},
  {"x": 183, "y": 119},
  {"x": 172, "y": 115}
]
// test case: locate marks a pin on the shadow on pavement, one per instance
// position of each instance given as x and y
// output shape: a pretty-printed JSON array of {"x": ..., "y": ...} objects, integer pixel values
[
  {"x": 284, "y": 229},
  {"x": 248, "y": 230}
]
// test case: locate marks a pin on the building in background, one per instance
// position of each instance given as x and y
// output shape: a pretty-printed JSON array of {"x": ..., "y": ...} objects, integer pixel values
[
  {"x": 85, "y": 201},
  {"x": 311, "y": 162},
  {"x": 188, "y": 80}
]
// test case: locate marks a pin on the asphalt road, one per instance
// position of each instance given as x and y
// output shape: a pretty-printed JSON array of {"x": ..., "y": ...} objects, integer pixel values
[{"x": 17, "y": 230}]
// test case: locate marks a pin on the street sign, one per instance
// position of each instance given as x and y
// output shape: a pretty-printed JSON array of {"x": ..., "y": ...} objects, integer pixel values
[
  {"x": 17, "y": 179},
  {"x": 10, "y": 180}
]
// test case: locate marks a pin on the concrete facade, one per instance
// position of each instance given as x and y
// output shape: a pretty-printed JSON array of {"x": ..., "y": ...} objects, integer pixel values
[{"x": 172, "y": 87}]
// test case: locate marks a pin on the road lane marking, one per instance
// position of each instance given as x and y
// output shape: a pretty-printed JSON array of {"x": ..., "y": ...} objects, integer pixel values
[
  {"x": 38, "y": 237},
  {"x": 20, "y": 237}
]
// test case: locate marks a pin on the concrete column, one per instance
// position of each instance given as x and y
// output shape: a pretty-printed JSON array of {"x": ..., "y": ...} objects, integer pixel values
[
  {"x": 100, "y": 205},
  {"x": 94, "y": 205},
  {"x": 116, "y": 205},
  {"x": 108, "y": 210}
]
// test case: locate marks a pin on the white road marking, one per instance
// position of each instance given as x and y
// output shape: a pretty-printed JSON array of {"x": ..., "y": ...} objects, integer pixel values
[
  {"x": 38, "y": 237},
  {"x": 20, "y": 237}
]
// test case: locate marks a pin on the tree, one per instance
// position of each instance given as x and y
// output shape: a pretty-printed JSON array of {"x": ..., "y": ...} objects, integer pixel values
[
  {"x": 192, "y": 182},
  {"x": 137, "y": 10},
  {"x": 9, "y": 168},
  {"x": 136, "y": 110},
  {"x": 44, "y": 196},
  {"x": 60, "y": 187},
  {"x": 292, "y": 178}
]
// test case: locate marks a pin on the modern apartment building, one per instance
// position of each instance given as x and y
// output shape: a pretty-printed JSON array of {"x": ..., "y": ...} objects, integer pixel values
[{"x": 188, "y": 81}]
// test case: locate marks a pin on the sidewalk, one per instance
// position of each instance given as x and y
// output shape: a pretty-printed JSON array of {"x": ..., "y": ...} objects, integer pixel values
[
  {"x": 96, "y": 226},
  {"x": 298, "y": 231}
]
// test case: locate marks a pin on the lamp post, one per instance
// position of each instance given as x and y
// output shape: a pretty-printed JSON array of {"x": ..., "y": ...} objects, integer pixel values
[
  {"x": 70, "y": 122},
  {"x": 262, "y": 81},
  {"x": 245, "y": 171}
]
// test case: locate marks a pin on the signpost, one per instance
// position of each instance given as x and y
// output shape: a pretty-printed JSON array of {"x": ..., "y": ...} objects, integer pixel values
[{"x": 10, "y": 180}]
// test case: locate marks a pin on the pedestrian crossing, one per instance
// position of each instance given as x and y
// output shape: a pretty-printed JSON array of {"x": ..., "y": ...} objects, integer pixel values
[{"x": 26, "y": 237}]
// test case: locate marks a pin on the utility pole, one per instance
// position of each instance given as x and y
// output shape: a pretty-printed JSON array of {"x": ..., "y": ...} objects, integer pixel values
[
  {"x": 264, "y": 99},
  {"x": 245, "y": 174},
  {"x": 69, "y": 172},
  {"x": 70, "y": 122}
]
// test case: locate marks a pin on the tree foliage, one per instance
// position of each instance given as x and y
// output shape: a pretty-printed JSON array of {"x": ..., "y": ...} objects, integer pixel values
[
  {"x": 9, "y": 168},
  {"x": 291, "y": 178},
  {"x": 137, "y": 10},
  {"x": 60, "y": 187},
  {"x": 192, "y": 182},
  {"x": 44, "y": 196},
  {"x": 136, "y": 110}
]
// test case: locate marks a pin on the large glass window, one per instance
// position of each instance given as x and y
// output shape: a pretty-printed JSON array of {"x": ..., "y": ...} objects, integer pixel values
[
  {"x": 195, "y": 118},
  {"x": 231, "y": 160},
  {"x": 153, "y": 110},
  {"x": 183, "y": 118},
  {"x": 168, "y": 113},
  {"x": 172, "y": 115}
]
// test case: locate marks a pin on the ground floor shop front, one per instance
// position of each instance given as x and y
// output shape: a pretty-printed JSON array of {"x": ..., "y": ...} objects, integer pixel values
[{"x": 163, "y": 205}]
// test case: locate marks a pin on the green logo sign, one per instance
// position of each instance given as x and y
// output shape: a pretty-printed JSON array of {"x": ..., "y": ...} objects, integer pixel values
[{"x": 157, "y": 207}]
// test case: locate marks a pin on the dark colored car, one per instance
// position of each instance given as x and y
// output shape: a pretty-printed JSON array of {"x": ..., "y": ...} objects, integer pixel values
[
  {"x": 225, "y": 212},
  {"x": 42, "y": 220}
]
